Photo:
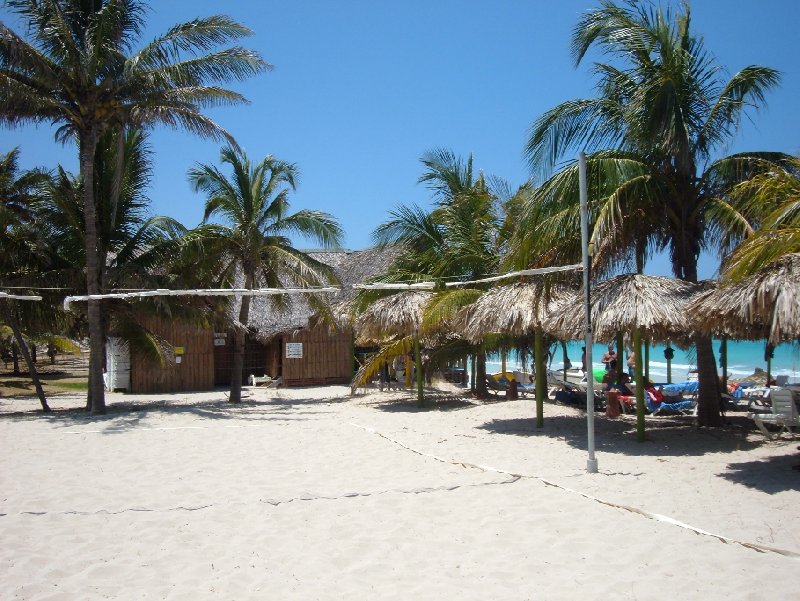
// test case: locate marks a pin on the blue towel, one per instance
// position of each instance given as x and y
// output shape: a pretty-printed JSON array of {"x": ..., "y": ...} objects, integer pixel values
[{"x": 680, "y": 388}]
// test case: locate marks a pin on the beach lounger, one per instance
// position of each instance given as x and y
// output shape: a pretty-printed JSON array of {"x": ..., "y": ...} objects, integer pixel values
[
  {"x": 270, "y": 382},
  {"x": 784, "y": 413}
]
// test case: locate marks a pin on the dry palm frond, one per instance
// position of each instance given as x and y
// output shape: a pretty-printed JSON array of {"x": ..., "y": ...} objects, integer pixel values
[{"x": 385, "y": 355}]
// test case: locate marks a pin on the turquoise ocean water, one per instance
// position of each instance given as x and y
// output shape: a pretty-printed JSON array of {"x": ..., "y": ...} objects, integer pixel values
[{"x": 743, "y": 358}]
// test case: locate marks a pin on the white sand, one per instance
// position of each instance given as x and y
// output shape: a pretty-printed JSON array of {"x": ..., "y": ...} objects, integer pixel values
[{"x": 291, "y": 496}]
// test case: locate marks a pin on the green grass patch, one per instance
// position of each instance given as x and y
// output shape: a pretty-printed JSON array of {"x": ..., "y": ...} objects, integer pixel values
[{"x": 71, "y": 385}]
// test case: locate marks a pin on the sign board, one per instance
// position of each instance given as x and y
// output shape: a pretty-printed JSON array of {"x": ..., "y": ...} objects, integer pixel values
[
  {"x": 219, "y": 342},
  {"x": 294, "y": 350},
  {"x": 179, "y": 350}
]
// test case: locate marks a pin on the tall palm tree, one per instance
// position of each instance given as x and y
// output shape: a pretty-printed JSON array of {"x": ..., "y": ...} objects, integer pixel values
[
  {"x": 78, "y": 71},
  {"x": 253, "y": 241},
  {"x": 662, "y": 112},
  {"x": 135, "y": 248},
  {"x": 459, "y": 239}
]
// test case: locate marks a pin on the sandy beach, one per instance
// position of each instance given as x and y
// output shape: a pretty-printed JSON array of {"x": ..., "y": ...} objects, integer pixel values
[{"x": 315, "y": 494}]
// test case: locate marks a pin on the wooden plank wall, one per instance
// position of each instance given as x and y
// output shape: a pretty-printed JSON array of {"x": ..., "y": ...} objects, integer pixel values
[
  {"x": 194, "y": 372},
  {"x": 327, "y": 358}
]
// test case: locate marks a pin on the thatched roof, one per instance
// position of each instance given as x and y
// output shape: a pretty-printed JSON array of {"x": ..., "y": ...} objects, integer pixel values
[
  {"x": 350, "y": 267},
  {"x": 654, "y": 304},
  {"x": 396, "y": 315},
  {"x": 763, "y": 306},
  {"x": 514, "y": 309}
]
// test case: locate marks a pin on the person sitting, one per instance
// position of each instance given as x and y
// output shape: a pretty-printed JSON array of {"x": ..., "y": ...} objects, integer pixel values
[
  {"x": 653, "y": 397},
  {"x": 622, "y": 387}
]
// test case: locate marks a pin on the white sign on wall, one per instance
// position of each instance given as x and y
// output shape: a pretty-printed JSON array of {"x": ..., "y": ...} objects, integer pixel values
[{"x": 294, "y": 350}]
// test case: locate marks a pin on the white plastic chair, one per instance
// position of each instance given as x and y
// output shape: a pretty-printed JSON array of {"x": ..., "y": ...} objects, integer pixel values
[{"x": 784, "y": 413}]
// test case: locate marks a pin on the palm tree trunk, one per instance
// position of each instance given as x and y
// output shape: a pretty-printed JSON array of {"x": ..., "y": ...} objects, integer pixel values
[
  {"x": 96, "y": 402},
  {"x": 708, "y": 397},
  {"x": 15, "y": 357},
  {"x": 480, "y": 373},
  {"x": 239, "y": 340},
  {"x": 541, "y": 375},
  {"x": 12, "y": 318}
]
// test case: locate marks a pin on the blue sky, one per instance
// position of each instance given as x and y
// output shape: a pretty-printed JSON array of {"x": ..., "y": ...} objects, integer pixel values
[{"x": 361, "y": 89}]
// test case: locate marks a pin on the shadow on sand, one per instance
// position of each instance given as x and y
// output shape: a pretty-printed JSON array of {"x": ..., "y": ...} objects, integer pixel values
[
  {"x": 125, "y": 415},
  {"x": 666, "y": 436}
]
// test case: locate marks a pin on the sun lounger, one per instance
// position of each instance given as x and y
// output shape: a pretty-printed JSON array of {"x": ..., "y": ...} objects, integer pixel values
[
  {"x": 784, "y": 413},
  {"x": 270, "y": 382}
]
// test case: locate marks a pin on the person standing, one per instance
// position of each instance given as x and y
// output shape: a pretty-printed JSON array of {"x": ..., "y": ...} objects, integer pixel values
[
  {"x": 610, "y": 359},
  {"x": 632, "y": 364}
]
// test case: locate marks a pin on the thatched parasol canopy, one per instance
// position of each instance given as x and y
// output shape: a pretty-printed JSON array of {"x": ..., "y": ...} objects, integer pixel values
[
  {"x": 765, "y": 305},
  {"x": 515, "y": 309},
  {"x": 654, "y": 304},
  {"x": 396, "y": 315}
]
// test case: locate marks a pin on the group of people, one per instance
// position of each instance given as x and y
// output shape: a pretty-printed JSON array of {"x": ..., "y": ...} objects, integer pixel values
[{"x": 609, "y": 360}]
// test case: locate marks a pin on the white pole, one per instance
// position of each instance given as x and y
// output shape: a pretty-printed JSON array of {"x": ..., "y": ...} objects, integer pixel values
[{"x": 591, "y": 463}]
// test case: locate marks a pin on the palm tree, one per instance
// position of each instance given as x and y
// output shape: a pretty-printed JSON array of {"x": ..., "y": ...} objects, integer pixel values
[
  {"x": 254, "y": 241},
  {"x": 661, "y": 113},
  {"x": 78, "y": 71},
  {"x": 20, "y": 253},
  {"x": 772, "y": 197},
  {"x": 459, "y": 239},
  {"x": 135, "y": 249}
]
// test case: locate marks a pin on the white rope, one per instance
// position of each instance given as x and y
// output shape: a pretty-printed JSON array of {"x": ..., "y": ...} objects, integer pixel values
[
  {"x": 198, "y": 292},
  {"x": 393, "y": 286},
  {"x": 653, "y": 516},
  {"x": 29, "y": 297},
  {"x": 513, "y": 274}
]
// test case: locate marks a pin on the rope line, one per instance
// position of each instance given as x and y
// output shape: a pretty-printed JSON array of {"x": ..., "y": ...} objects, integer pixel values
[{"x": 648, "y": 514}]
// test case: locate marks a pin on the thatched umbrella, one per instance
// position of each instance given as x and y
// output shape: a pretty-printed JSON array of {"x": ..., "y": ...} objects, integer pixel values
[
  {"x": 651, "y": 306},
  {"x": 396, "y": 315},
  {"x": 763, "y": 306},
  {"x": 515, "y": 309}
]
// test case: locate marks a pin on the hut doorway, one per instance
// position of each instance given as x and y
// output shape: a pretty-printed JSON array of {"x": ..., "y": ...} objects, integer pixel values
[{"x": 255, "y": 360}]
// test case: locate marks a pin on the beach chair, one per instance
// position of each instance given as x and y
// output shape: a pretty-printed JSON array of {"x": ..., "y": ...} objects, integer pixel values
[
  {"x": 270, "y": 382},
  {"x": 784, "y": 413},
  {"x": 494, "y": 386}
]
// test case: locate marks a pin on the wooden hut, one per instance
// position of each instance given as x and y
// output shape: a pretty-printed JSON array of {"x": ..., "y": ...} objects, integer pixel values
[
  {"x": 286, "y": 344},
  {"x": 290, "y": 344},
  {"x": 188, "y": 365}
]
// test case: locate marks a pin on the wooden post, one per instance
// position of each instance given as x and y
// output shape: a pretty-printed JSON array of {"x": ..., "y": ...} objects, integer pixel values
[
  {"x": 420, "y": 375},
  {"x": 723, "y": 358},
  {"x": 541, "y": 376},
  {"x": 637, "y": 347}
]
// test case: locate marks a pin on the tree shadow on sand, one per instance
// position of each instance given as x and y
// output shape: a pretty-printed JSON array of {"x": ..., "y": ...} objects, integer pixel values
[
  {"x": 127, "y": 415},
  {"x": 666, "y": 436},
  {"x": 406, "y": 402},
  {"x": 770, "y": 475}
]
